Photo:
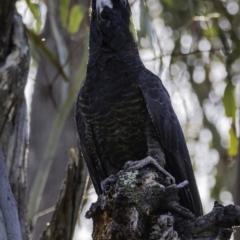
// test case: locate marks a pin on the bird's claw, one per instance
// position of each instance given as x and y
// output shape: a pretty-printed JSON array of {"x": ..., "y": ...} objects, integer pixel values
[
  {"x": 136, "y": 165},
  {"x": 183, "y": 184},
  {"x": 181, "y": 211},
  {"x": 173, "y": 203},
  {"x": 108, "y": 182}
]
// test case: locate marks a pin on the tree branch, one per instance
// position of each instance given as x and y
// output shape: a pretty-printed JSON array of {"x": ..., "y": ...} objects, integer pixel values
[
  {"x": 65, "y": 216},
  {"x": 142, "y": 205},
  {"x": 180, "y": 54}
]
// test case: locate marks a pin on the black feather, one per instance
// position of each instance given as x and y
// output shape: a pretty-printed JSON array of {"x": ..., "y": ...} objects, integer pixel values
[{"x": 120, "y": 101}]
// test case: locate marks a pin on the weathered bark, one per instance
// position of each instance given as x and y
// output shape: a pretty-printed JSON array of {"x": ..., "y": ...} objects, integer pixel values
[
  {"x": 9, "y": 222},
  {"x": 7, "y": 9},
  {"x": 14, "y": 66},
  {"x": 141, "y": 204},
  {"x": 66, "y": 212},
  {"x": 70, "y": 201}
]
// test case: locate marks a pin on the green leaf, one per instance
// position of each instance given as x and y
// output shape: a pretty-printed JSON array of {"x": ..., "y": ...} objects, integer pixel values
[
  {"x": 210, "y": 32},
  {"x": 229, "y": 101},
  {"x": 75, "y": 18},
  {"x": 38, "y": 43},
  {"x": 133, "y": 29},
  {"x": 64, "y": 11},
  {"x": 233, "y": 147}
]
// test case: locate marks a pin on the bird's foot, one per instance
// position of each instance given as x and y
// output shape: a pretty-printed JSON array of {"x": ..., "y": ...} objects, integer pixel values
[
  {"x": 110, "y": 181},
  {"x": 168, "y": 195},
  {"x": 172, "y": 203},
  {"x": 180, "y": 210},
  {"x": 136, "y": 165}
]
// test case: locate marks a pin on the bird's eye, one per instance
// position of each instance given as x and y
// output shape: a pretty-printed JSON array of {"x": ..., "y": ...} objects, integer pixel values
[{"x": 123, "y": 3}]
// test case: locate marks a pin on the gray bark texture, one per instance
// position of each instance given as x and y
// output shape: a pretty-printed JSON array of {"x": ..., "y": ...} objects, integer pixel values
[
  {"x": 9, "y": 222},
  {"x": 14, "y": 66},
  {"x": 142, "y": 205}
]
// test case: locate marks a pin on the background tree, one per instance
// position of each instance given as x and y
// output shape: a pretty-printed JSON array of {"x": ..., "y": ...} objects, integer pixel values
[{"x": 14, "y": 65}]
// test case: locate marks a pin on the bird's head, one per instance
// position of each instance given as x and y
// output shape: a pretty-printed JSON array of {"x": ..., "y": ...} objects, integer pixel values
[
  {"x": 113, "y": 20},
  {"x": 107, "y": 8}
]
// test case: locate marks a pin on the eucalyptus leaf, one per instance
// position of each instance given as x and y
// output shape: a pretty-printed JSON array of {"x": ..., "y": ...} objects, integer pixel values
[
  {"x": 229, "y": 101},
  {"x": 75, "y": 18},
  {"x": 233, "y": 146},
  {"x": 64, "y": 11}
]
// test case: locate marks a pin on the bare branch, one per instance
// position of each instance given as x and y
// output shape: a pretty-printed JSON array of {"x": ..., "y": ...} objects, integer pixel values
[
  {"x": 179, "y": 54},
  {"x": 65, "y": 216}
]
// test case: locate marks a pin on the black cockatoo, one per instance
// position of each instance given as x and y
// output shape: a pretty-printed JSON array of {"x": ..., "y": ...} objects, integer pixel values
[{"x": 123, "y": 111}]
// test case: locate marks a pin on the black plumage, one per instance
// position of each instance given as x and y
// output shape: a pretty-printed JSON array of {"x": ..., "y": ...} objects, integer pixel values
[{"x": 123, "y": 111}]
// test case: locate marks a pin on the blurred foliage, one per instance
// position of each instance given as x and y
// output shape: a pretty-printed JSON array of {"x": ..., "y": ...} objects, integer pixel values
[
  {"x": 64, "y": 21},
  {"x": 68, "y": 104},
  {"x": 195, "y": 45},
  {"x": 38, "y": 43},
  {"x": 75, "y": 18},
  {"x": 71, "y": 17}
]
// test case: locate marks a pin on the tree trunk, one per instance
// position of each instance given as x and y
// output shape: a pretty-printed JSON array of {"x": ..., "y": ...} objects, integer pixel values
[{"x": 14, "y": 66}]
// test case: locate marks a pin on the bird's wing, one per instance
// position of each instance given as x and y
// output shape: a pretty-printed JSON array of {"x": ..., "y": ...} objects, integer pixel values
[
  {"x": 178, "y": 161},
  {"x": 89, "y": 149}
]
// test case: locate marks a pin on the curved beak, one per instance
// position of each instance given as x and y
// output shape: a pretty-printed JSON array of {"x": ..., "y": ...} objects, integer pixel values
[
  {"x": 98, "y": 9},
  {"x": 100, "y": 4}
]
